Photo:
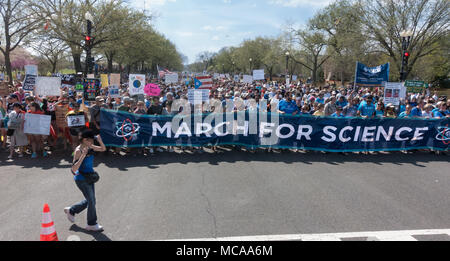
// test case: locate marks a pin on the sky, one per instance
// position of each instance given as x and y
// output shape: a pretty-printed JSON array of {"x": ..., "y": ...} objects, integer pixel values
[{"x": 195, "y": 26}]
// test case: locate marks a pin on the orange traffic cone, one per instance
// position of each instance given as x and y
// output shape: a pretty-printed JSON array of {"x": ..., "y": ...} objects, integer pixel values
[{"x": 48, "y": 232}]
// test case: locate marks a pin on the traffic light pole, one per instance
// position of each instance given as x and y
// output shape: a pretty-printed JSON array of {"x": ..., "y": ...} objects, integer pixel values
[{"x": 89, "y": 66}]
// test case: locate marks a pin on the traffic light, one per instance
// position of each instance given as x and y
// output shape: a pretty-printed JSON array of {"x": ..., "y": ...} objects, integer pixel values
[
  {"x": 88, "y": 40},
  {"x": 406, "y": 56}
]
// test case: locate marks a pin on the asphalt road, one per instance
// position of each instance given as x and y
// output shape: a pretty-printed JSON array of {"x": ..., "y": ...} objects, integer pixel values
[{"x": 230, "y": 194}]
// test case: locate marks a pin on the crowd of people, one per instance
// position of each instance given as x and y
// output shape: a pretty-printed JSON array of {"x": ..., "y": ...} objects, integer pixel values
[{"x": 229, "y": 96}]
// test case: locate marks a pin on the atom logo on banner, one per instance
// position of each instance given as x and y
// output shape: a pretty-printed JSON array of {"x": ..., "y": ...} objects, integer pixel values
[
  {"x": 136, "y": 84},
  {"x": 444, "y": 135},
  {"x": 127, "y": 130}
]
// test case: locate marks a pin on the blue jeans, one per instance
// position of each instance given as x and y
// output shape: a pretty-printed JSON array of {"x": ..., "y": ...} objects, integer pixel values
[{"x": 89, "y": 202}]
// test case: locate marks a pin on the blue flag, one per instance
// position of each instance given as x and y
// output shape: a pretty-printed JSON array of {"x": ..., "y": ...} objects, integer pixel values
[
  {"x": 371, "y": 76},
  {"x": 198, "y": 83}
]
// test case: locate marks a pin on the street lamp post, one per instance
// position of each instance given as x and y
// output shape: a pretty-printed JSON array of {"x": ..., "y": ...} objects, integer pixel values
[
  {"x": 89, "y": 65},
  {"x": 406, "y": 40},
  {"x": 287, "y": 63},
  {"x": 250, "y": 60}
]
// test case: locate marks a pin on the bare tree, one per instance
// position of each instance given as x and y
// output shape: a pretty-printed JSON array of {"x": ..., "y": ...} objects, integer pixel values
[
  {"x": 18, "y": 22},
  {"x": 52, "y": 50}
]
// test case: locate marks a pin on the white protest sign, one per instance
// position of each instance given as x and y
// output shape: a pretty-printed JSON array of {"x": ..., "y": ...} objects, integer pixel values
[
  {"x": 258, "y": 75},
  {"x": 171, "y": 78},
  {"x": 37, "y": 124},
  {"x": 392, "y": 93},
  {"x": 198, "y": 96},
  {"x": 31, "y": 70},
  {"x": 48, "y": 86},
  {"x": 294, "y": 78},
  {"x": 236, "y": 78},
  {"x": 216, "y": 76},
  {"x": 76, "y": 121},
  {"x": 137, "y": 84},
  {"x": 248, "y": 79}
]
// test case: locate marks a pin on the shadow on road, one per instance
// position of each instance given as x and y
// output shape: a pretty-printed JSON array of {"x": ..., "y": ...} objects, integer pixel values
[
  {"x": 98, "y": 236},
  {"x": 61, "y": 160}
]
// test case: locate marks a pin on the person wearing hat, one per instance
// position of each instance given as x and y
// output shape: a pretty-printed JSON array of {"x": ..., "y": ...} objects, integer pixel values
[
  {"x": 85, "y": 178},
  {"x": 126, "y": 106},
  {"x": 390, "y": 111},
  {"x": 94, "y": 112},
  {"x": 15, "y": 130}
]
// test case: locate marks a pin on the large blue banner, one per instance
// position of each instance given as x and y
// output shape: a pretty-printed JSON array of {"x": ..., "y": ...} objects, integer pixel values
[
  {"x": 371, "y": 76},
  {"x": 263, "y": 130}
]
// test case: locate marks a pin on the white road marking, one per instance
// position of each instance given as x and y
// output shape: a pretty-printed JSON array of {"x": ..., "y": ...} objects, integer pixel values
[{"x": 406, "y": 235}]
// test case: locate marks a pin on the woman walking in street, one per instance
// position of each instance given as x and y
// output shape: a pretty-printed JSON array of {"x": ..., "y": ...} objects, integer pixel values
[{"x": 85, "y": 178}]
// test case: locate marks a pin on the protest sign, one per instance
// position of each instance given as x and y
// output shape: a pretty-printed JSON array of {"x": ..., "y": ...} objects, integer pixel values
[
  {"x": 152, "y": 90},
  {"x": 248, "y": 79},
  {"x": 262, "y": 130},
  {"x": 236, "y": 78},
  {"x": 115, "y": 79},
  {"x": 392, "y": 93},
  {"x": 29, "y": 82},
  {"x": 91, "y": 89},
  {"x": 136, "y": 84},
  {"x": 48, "y": 86},
  {"x": 171, "y": 78},
  {"x": 76, "y": 121},
  {"x": 69, "y": 80},
  {"x": 31, "y": 72},
  {"x": 37, "y": 124},
  {"x": 294, "y": 78},
  {"x": 258, "y": 75},
  {"x": 198, "y": 96},
  {"x": 216, "y": 76},
  {"x": 4, "y": 89},
  {"x": 371, "y": 77},
  {"x": 104, "y": 80},
  {"x": 114, "y": 91},
  {"x": 2, "y": 77},
  {"x": 90, "y": 76},
  {"x": 79, "y": 87},
  {"x": 415, "y": 86}
]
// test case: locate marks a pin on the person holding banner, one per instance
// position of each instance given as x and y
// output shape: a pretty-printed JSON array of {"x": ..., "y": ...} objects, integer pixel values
[
  {"x": 36, "y": 141},
  {"x": 367, "y": 109},
  {"x": 15, "y": 130},
  {"x": 441, "y": 113}
]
